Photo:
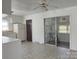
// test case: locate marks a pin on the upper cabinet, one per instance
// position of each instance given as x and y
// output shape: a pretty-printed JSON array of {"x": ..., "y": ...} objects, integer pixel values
[{"x": 6, "y": 6}]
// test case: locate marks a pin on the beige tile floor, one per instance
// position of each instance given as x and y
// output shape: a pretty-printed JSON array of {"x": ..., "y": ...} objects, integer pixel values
[{"x": 44, "y": 51}]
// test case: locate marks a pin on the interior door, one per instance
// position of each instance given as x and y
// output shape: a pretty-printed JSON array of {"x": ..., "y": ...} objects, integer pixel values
[{"x": 29, "y": 30}]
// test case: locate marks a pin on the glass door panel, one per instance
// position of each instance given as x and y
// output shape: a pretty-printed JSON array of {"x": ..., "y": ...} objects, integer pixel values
[{"x": 50, "y": 32}]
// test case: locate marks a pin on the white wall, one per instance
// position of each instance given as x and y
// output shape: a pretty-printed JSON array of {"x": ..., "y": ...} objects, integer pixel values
[
  {"x": 17, "y": 19},
  {"x": 37, "y": 28},
  {"x": 38, "y": 24}
]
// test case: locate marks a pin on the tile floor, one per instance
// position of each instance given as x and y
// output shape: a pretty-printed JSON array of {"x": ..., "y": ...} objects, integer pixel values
[
  {"x": 60, "y": 44},
  {"x": 46, "y": 51}
]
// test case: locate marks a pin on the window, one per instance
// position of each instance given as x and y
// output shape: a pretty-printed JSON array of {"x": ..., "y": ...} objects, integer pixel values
[
  {"x": 64, "y": 29},
  {"x": 5, "y": 25}
]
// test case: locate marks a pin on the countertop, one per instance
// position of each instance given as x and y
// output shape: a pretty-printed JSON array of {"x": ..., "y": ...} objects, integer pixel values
[{"x": 7, "y": 40}]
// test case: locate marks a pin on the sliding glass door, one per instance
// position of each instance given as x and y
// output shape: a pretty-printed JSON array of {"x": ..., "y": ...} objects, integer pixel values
[{"x": 57, "y": 31}]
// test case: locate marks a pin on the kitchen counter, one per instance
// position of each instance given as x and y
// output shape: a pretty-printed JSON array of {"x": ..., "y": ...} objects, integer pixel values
[{"x": 7, "y": 40}]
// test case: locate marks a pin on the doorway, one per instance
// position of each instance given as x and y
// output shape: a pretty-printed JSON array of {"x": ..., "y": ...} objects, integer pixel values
[
  {"x": 57, "y": 31},
  {"x": 29, "y": 30}
]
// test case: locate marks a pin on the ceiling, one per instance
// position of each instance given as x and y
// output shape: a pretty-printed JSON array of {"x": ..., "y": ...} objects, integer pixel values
[{"x": 25, "y": 7}]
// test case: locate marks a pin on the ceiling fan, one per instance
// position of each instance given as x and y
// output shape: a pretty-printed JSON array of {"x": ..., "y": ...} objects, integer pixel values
[{"x": 44, "y": 5}]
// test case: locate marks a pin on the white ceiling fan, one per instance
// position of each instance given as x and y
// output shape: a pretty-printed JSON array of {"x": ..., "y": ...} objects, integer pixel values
[{"x": 44, "y": 5}]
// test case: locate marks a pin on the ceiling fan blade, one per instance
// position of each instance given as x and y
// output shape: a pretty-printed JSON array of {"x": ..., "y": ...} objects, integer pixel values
[
  {"x": 43, "y": 1},
  {"x": 36, "y": 7},
  {"x": 54, "y": 6},
  {"x": 44, "y": 8},
  {"x": 43, "y": 5}
]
